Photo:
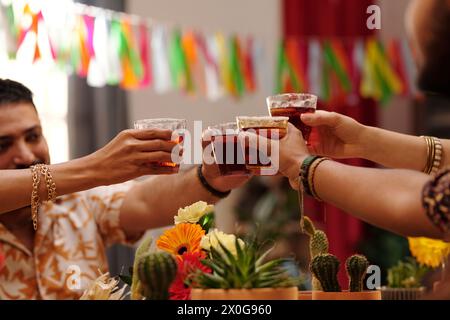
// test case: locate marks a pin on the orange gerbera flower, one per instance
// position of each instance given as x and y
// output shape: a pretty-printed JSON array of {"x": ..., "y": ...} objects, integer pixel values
[{"x": 184, "y": 237}]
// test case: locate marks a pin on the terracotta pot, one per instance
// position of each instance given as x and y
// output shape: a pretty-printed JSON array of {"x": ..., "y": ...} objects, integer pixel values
[
  {"x": 289, "y": 293},
  {"x": 402, "y": 293},
  {"x": 305, "y": 295},
  {"x": 347, "y": 295}
]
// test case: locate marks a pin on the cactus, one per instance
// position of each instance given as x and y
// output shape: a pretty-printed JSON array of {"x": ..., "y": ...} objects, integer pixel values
[
  {"x": 156, "y": 272},
  {"x": 308, "y": 226},
  {"x": 325, "y": 268},
  {"x": 318, "y": 244},
  {"x": 142, "y": 250},
  {"x": 356, "y": 267}
]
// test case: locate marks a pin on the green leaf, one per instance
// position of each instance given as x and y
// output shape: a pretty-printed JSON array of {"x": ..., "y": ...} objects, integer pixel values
[{"x": 207, "y": 221}]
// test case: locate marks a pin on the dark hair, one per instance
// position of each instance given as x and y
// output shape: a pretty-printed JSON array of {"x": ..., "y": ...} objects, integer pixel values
[
  {"x": 12, "y": 92},
  {"x": 434, "y": 75}
]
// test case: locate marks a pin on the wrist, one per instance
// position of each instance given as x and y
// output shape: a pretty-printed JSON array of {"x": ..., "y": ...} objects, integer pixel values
[
  {"x": 293, "y": 170},
  {"x": 88, "y": 172},
  {"x": 363, "y": 145},
  {"x": 209, "y": 183}
]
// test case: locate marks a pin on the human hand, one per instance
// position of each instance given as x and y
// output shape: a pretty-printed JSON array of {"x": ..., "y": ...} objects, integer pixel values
[
  {"x": 211, "y": 172},
  {"x": 339, "y": 136},
  {"x": 133, "y": 153}
]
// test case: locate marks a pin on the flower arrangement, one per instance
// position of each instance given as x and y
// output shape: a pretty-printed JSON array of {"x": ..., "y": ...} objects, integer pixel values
[{"x": 193, "y": 254}]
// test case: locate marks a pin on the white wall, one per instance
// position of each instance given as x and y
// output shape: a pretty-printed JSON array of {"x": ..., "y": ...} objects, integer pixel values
[{"x": 260, "y": 18}]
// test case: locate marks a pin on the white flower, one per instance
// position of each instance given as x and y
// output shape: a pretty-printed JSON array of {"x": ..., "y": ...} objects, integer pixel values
[
  {"x": 214, "y": 236},
  {"x": 193, "y": 213}
]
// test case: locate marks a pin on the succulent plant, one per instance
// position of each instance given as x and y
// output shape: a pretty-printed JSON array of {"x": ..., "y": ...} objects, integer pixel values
[
  {"x": 308, "y": 226},
  {"x": 406, "y": 274},
  {"x": 243, "y": 270},
  {"x": 318, "y": 244},
  {"x": 156, "y": 272},
  {"x": 143, "y": 249},
  {"x": 325, "y": 268},
  {"x": 356, "y": 267}
]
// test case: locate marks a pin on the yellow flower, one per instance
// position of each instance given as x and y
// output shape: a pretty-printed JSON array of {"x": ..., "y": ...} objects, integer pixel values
[
  {"x": 429, "y": 252},
  {"x": 184, "y": 237},
  {"x": 193, "y": 213},
  {"x": 214, "y": 236}
]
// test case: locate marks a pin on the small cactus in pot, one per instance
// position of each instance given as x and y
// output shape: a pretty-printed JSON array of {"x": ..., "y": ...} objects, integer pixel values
[
  {"x": 356, "y": 267},
  {"x": 318, "y": 244},
  {"x": 325, "y": 268}
]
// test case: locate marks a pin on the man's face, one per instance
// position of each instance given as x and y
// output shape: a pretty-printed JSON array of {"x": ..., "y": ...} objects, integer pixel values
[{"x": 21, "y": 141}]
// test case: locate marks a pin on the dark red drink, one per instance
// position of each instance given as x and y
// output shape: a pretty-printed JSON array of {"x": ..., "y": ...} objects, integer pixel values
[
  {"x": 228, "y": 155},
  {"x": 256, "y": 158},
  {"x": 294, "y": 115}
]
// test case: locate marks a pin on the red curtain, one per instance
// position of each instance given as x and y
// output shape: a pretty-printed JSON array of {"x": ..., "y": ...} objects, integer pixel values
[{"x": 344, "y": 20}]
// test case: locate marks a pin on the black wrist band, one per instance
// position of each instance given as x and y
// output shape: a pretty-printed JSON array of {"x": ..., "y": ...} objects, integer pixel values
[
  {"x": 213, "y": 191},
  {"x": 304, "y": 173}
]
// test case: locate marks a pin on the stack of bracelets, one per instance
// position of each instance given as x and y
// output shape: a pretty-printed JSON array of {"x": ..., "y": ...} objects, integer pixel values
[
  {"x": 307, "y": 172},
  {"x": 434, "y": 155},
  {"x": 37, "y": 171}
]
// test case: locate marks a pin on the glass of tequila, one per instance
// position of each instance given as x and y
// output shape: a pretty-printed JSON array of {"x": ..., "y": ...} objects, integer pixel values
[
  {"x": 256, "y": 156},
  {"x": 293, "y": 105},
  {"x": 227, "y": 150},
  {"x": 178, "y": 127}
]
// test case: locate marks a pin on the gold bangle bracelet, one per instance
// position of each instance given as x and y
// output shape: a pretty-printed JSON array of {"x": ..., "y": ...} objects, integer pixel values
[
  {"x": 35, "y": 200},
  {"x": 434, "y": 154},
  {"x": 437, "y": 155},
  {"x": 51, "y": 186}
]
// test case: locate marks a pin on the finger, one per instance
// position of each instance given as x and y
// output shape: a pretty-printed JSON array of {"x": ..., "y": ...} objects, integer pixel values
[
  {"x": 320, "y": 118},
  {"x": 152, "y": 169},
  {"x": 150, "y": 134},
  {"x": 157, "y": 156},
  {"x": 156, "y": 145}
]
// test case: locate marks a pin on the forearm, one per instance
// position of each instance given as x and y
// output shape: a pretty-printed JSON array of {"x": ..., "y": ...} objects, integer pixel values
[
  {"x": 389, "y": 199},
  {"x": 72, "y": 176},
  {"x": 153, "y": 203},
  {"x": 396, "y": 150}
]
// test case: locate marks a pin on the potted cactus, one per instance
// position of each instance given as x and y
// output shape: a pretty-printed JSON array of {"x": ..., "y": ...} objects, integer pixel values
[
  {"x": 405, "y": 281},
  {"x": 152, "y": 273},
  {"x": 325, "y": 268},
  {"x": 240, "y": 272},
  {"x": 318, "y": 244}
]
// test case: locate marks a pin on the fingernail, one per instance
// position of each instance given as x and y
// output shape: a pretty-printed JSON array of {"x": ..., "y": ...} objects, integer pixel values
[{"x": 306, "y": 116}]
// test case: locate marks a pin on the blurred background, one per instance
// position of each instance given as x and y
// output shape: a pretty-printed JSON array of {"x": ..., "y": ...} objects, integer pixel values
[{"x": 93, "y": 72}]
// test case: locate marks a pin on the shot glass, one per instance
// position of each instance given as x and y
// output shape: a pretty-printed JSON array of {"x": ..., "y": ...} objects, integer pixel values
[{"x": 178, "y": 127}]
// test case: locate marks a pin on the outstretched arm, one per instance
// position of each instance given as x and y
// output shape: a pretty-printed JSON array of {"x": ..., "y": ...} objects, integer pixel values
[
  {"x": 388, "y": 198},
  {"x": 124, "y": 158},
  {"x": 343, "y": 137}
]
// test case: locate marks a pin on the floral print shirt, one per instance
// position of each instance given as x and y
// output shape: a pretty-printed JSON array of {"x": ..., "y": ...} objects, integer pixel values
[{"x": 69, "y": 246}]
